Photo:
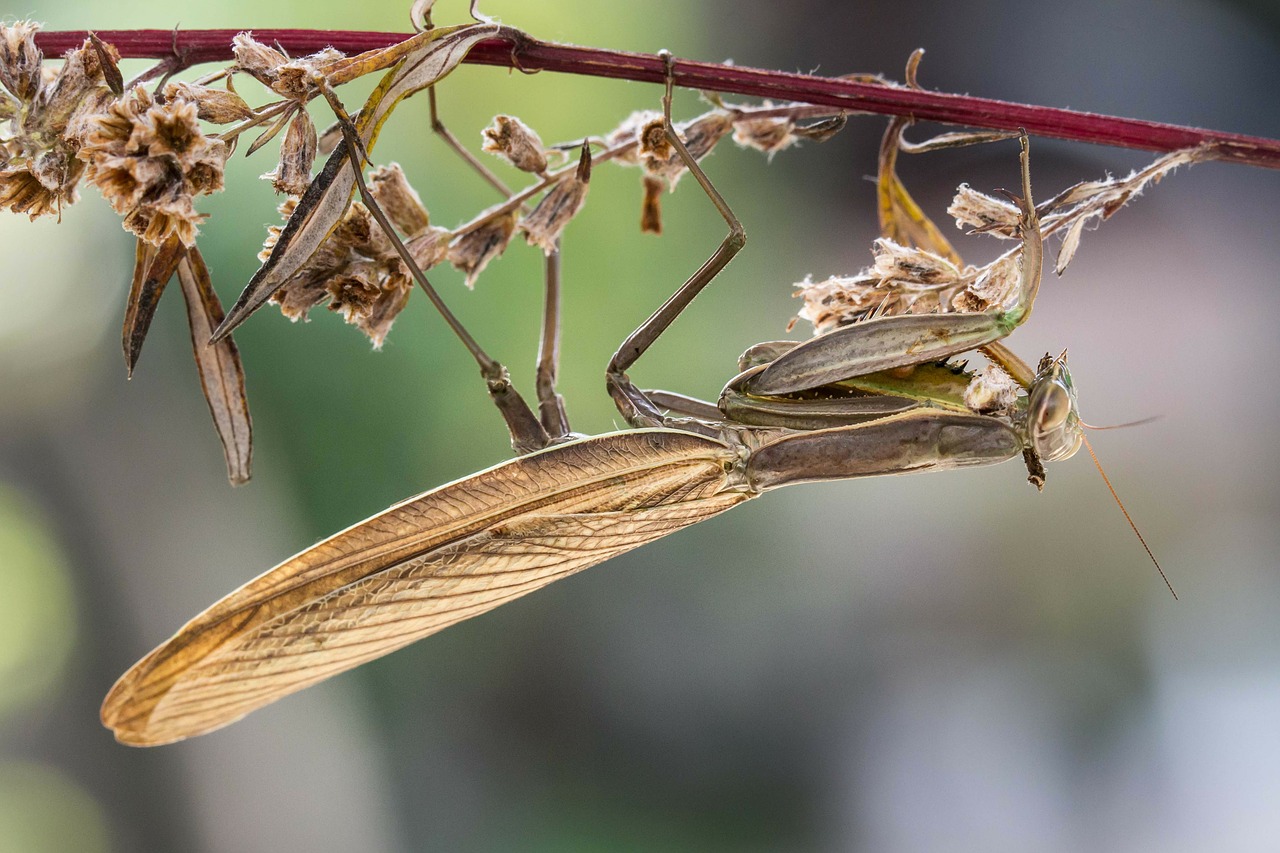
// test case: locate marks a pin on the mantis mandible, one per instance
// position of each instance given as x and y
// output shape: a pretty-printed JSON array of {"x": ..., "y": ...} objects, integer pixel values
[{"x": 795, "y": 414}]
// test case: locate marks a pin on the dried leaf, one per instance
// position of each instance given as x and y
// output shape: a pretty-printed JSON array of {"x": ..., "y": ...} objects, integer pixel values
[
  {"x": 153, "y": 267},
  {"x": 1070, "y": 243},
  {"x": 901, "y": 219},
  {"x": 270, "y": 133},
  {"x": 329, "y": 139},
  {"x": 433, "y": 55},
  {"x": 420, "y": 14},
  {"x": 221, "y": 375},
  {"x": 107, "y": 59},
  {"x": 821, "y": 131}
]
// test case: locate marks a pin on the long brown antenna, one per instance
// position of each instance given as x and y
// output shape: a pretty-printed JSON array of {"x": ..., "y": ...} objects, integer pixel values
[
  {"x": 1127, "y": 518},
  {"x": 1123, "y": 425}
]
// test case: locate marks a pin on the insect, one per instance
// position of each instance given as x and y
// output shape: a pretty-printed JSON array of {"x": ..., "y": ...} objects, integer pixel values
[{"x": 870, "y": 399}]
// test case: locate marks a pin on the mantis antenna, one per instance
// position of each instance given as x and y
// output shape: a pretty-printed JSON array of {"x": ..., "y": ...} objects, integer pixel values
[{"x": 1127, "y": 517}]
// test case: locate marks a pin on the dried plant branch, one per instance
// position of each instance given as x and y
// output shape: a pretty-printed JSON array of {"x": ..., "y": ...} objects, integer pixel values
[
  {"x": 150, "y": 155},
  {"x": 516, "y": 50}
]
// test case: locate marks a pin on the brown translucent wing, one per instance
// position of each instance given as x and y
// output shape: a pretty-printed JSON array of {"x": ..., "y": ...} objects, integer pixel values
[{"x": 416, "y": 568}]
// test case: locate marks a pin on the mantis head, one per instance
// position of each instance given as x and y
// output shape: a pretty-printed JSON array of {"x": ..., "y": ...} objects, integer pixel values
[{"x": 1053, "y": 417}]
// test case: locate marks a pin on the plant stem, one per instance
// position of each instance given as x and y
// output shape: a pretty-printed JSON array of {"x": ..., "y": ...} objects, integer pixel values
[{"x": 191, "y": 47}]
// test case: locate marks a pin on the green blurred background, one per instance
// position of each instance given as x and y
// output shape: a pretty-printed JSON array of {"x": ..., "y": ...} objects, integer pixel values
[{"x": 949, "y": 662}]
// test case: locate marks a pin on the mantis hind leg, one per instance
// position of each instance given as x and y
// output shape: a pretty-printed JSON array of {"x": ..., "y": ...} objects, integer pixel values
[
  {"x": 550, "y": 404},
  {"x": 527, "y": 432},
  {"x": 551, "y": 411}
]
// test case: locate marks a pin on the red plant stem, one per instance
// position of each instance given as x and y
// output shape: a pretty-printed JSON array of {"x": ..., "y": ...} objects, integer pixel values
[{"x": 192, "y": 47}]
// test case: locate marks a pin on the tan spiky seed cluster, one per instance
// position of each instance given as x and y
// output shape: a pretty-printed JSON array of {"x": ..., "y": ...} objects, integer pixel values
[{"x": 150, "y": 160}]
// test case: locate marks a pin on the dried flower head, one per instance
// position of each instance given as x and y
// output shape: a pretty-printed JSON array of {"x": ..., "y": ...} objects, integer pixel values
[
  {"x": 376, "y": 320},
  {"x": 399, "y": 200},
  {"x": 991, "y": 392},
  {"x": 357, "y": 269},
  {"x": 150, "y": 160},
  {"x": 513, "y": 140},
  {"x": 20, "y": 60},
  {"x": 293, "y": 79},
  {"x": 993, "y": 284},
  {"x": 628, "y": 134},
  {"x": 654, "y": 144},
  {"x": 43, "y": 109},
  {"x": 699, "y": 136},
  {"x": 906, "y": 280},
  {"x": 984, "y": 214},
  {"x": 546, "y": 222},
  {"x": 769, "y": 134},
  {"x": 471, "y": 252},
  {"x": 354, "y": 291}
]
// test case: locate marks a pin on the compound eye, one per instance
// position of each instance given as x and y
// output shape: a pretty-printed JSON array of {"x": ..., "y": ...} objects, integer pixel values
[{"x": 1052, "y": 407}]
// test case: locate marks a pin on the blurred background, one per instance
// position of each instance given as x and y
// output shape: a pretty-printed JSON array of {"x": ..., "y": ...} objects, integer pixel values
[{"x": 943, "y": 662}]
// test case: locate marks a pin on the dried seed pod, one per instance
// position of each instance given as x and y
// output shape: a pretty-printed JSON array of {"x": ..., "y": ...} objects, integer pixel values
[
  {"x": 217, "y": 106},
  {"x": 399, "y": 200},
  {"x": 292, "y": 175},
  {"x": 471, "y": 252},
  {"x": 546, "y": 222},
  {"x": 513, "y": 140}
]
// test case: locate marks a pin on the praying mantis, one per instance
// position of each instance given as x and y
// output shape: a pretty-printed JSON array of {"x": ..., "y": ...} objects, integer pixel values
[{"x": 869, "y": 399}]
